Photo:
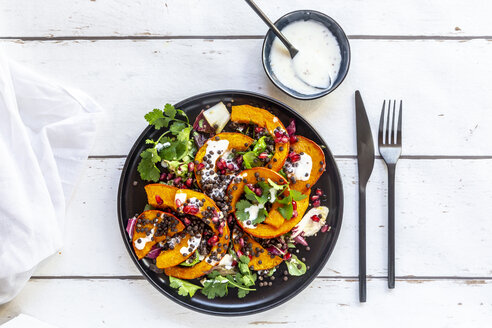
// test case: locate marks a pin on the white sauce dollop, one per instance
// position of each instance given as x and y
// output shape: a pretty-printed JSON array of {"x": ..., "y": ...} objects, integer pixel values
[
  {"x": 219, "y": 149},
  {"x": 307, "y": 225},
  {"x": 226, "y": 261},
  {"x": 143, "y": 241},
  {"x": 319, "y": 57},
  {"x": 301, "y": 170}
]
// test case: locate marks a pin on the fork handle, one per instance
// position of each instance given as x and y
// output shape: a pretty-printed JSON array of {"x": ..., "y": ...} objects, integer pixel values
[{"x": 391, "y": 226}]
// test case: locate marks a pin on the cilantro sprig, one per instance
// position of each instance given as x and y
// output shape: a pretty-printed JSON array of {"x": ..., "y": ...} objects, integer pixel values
[
  {"x": 217, "y": 285},
  {"x": 174, "y": 148},
  {"x": 184, "y": 288}
]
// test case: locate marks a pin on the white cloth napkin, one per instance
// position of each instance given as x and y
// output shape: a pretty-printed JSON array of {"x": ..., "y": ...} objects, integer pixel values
[
  {"x": 46, "y": 133},
  {"x": 26, "y": 321}
]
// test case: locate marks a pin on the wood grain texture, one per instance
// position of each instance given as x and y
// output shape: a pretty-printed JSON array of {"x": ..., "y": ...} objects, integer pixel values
[
  {"x": 129, "y": 303},
  {"x": 442, "y": 225},
  {"x": 444, "y": 86},
  {"x": 224, "y": 17}
]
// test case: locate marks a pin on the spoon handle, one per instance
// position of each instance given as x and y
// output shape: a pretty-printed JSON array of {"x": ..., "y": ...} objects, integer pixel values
[{"x": 292, "y": 50}]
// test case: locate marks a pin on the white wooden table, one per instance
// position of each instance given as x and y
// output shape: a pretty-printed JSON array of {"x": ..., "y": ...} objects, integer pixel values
[{"x": 132, "y": 56}]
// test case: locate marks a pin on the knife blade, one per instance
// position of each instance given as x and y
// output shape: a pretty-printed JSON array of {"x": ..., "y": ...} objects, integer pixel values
[{"x": 365, "y": 162}]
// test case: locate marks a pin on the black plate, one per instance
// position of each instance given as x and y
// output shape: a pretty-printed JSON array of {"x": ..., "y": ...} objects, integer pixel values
[{"x": 132, "y": 199}]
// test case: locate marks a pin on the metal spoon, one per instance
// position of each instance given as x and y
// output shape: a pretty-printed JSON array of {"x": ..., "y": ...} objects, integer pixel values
[{"x": 293, "y": 51}]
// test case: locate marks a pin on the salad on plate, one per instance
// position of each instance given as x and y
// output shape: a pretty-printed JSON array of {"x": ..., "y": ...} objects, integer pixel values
[{"x": 230, "y": 199}]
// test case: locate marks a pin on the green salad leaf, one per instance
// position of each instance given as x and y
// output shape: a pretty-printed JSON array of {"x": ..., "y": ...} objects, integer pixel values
[
  {"x": 249, "y": 157},
  {"x": 185, "y": 288},
  {"x": 295, "y": 266},
  {"x": 175, "y": 147},
  {"x": 191, "y": 261}
]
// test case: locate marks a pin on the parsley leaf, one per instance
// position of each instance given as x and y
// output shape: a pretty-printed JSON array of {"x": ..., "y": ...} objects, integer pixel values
[
  {"x": 177, "y": 127},
  {"x": 170, "y": 111},
  {"x": 297, "y": 195},
  {"x": 241, "y": 206},
  {"x": 157, "y": 119},
  {"x": 184, "y": 288},
  {"x": 215, "y": 285}
]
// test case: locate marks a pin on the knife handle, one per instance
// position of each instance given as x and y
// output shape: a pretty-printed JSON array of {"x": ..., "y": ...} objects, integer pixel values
[{"x": 362, "y": 245}]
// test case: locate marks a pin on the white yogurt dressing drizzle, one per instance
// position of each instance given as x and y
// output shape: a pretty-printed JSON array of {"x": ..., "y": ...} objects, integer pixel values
[
  {"x": 319, "y": 57},
  {"x": 143, "y": 241},
  {"x": 226, "y": 262},
  {"x": 301, "y": 170}
]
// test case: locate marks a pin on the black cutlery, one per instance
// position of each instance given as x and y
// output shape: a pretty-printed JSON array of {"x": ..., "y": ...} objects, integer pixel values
[
  {"x": 365, "y": 161},
  {"x": 389, "y": 142}
]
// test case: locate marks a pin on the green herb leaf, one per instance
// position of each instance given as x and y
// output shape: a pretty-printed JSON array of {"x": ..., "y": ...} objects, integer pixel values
[
  {"x": 241, "y": 206},
  {"x": 295, "y": 266},
  {"x": 177, "y": 127},
  {"x": 215, "y": 285},
  {"x": 148, "y": 207},
  {"x": 170, "y": 111},
  {"x": 297, "y": 195},
  {"x": 287, "y": 210},
  {"x": 184, "y": 288},
  {"x": 147, "y": 168},
  {"x": 194, "y": 259},
  {"x": 250, "y": 194}
]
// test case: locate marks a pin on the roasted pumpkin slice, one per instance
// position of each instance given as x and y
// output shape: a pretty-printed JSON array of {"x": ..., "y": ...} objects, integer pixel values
[
  {"x": 266, "y": 231},
  {"x": 182, "y": 248},
  {"x": 260, "y": 258},
  {"x": 263, "y": 118},
  {"x": 152, "y": 227},
  {"x": 225, "y": 142},
  {"x": 310, "y": 164},
  {"x": 160, "y": 195},
  {"x": 198, "y": 204},
  {"x": 236, "y": 189}
]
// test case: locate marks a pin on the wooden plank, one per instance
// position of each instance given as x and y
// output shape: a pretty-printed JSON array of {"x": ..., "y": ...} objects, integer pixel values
[
  {"x": 442, "y": 215},
  {"x": 223, "y": 17},
  {"x": 450, "y": 107},
  {"x": 128, "y": 303}
]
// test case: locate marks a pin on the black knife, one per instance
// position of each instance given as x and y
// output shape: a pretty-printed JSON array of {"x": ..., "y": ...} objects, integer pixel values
[{"x": 365, "y": 161}]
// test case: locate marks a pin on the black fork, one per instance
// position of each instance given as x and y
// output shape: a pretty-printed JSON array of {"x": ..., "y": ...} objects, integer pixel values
[{"x": 389, "y": 141}]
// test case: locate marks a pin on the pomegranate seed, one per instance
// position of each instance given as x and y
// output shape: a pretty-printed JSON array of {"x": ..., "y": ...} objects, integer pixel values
[
  {"x": 278, "y": 134},
  {"x": 258, "y": 192},
  {"x": 314, "y": 197},
  {"x": 158, "y": 199},
  {"x": 293, "y": 139},
  {"x": 163, "y": 176},
  {"x": 190, "y": 209},
  {"x": 189, "y": 182},
  {"x": 213, "y": 240},
  {"x": 178, "y": 202},
  {"x": 191, "y": 166},
  {"x": 294, "y": 205},
  {"x": 170, "y": 176},
  {"x": 317, "y": 203},
  {"x": 239, "y": 160},
  {"x": 177, "y": 180},
  {"x": 294, "y": 157},
  {"x": 215, "y": 219},
  {"x": 250, "y": 256},
  {"x": 250, "y": 186},
  {"x": 230, "y": 167},
  {"x": 234, "y": 263},
  {"x": 258, "y": 129},
  {"x": 294, "y": 214},
  {"x": 285, "y": 139},
  {"x": 221, "y": 229},
  {"x": 263, "y": 156},
  {"x": 325, "y": 228},
  {"x": 230, "y": 218},
  {"x": 319, "y": 192},
  {"x": 315, "y": 218},
  {"x": 200, "y": 167},
  {"x": 187, "y": 221},
  {"x": 223, "y": 172},
  {"x": 239, "y": 253},
  {"x": 287, "y": 256}
]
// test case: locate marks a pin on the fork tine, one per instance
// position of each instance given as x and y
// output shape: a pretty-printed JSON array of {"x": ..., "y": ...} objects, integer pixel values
[
  {"x": 398, "y": 133},
  {"x": 388, "y": 129},
  {"x": 393, "y": 132},
  {"x": 381, "y": 125}
]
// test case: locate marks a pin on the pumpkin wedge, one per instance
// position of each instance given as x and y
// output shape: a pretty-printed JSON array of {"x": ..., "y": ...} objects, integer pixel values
[
  {"x": 179, "y": 253},
  {"x": 161, "y": 196},
  {"x": 311, "y": 148},
  {"x": 261, "y": 259},
  {"x": 189, "y": 202},
  {"x": 266, "y": 231},
  {"x": 237, "y": 141},
  {"x": 153, "y": 226},
  {"x": 236, "y": 189},
  {"x": 263, "y": 118}
]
